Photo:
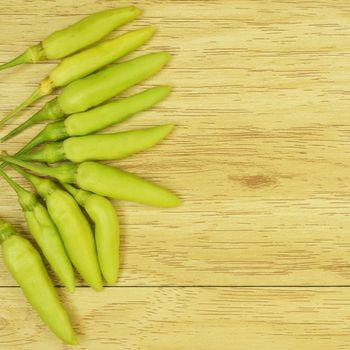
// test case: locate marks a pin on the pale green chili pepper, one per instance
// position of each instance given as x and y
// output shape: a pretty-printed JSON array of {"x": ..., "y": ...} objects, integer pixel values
[
  {"x": 99, "y": 147},
  {"x": 25, "y": 265},
  {"x": 65, "y": 42},
  {"x": 92, "y": 90},
  {"x": 103, "y": 215},
  {"x": 45, "y": 233},
  {"x": 106, "y": 181},
  {"x": 73, "y": 227},
  {"x": 84, "y": 63},
  {"x": 98, "y": 118}
]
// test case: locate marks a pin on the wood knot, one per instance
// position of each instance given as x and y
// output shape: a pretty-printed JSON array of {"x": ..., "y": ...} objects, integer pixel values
[{"x": 258, "y": 181}]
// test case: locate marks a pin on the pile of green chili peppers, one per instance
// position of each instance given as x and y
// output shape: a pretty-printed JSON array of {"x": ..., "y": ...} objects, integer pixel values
[{"x": 68, "y": 212}]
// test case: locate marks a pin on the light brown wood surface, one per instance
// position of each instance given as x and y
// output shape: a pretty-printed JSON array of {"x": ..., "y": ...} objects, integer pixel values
[
  {"x": 258, "y": 256},
  {"x": 188, "y": 318}
]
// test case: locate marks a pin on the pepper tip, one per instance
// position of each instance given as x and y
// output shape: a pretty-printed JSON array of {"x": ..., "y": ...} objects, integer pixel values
[
  {"x": 71, "y": 289},
  {"x": 73, "y": 341},
  {"x": 137, "y": 11},
  {"x": 97, "y": 288},
  {"x": 178, "y": 202}
]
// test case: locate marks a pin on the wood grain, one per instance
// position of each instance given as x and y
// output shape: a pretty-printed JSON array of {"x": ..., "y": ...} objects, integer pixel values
[
  {"x": 260, "y": 157},
  {"x": 260, "y": 152},
  {"x": 188, "y": 318}
]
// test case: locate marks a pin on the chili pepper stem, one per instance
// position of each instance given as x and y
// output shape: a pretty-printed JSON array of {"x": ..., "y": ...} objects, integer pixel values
[
  {"x": 3, "y": 165},
  {"x": 34, "y": 119},
  {"x": 36, "y": 141},
  {"x": 21, "y": 171},
  {"x": 42, "y": 186},
  {"x": 26, "y": 199},
  {"x": 42, "y": 169},
  {"x": 22, "y": 58},
  {"x": 51, "y": 110},
  {"x": 6, "y": 231},
  {"x": 81, "y": 196},
  {"x": 49, "y": 153},
  {"x": 12, "y": 183},
  {"x": 32, "y": 54},
  {"x": 64, "y": 173},
  {"x": 39, "y": 92},
  {"x": 40, "y": 138}
]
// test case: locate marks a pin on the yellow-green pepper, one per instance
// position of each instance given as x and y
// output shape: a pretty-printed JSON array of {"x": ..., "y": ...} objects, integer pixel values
[
  {"x": 45, "y": 233},
  {"x": 75, "y": 37},
  {"x": 98, "y": 118},
  {"x": 25, "y": 265},
  {"x": 106, "y": 181},
  {"x": 103, "y": 215},
  {"x": 99, "y": 147},
  {"x": 85, "y": 62},
  {"x": 92, "y": 90},
  {"x": 73, "y": 227}
]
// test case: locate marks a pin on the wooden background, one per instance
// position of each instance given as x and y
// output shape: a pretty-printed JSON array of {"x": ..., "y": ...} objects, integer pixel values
[{"x": 258, "y": 257}]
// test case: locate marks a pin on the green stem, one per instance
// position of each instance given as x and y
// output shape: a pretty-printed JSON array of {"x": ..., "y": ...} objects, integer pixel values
[
  {"x": 16, "y": 187},
  {"x": 49, "y": 153},
  {"x": 22, "y": 58},
  {"x": 26, "y": 199},
  {"x": 43, "y": 186},
  {"x": 51, "y": 110},
  {"x": 38, "y": 139},
  {"x": 37, "y": 168},
  {"x": 32, "y": 120},
  {"x": 3, "y": 165},
  {"x": 81, "y": 196},
  {"x": 33, "y": 97},
  {"x": 21, "y": 171},
  {"x": 51, "y": 132},
  {"x": 63, "y": 173},
  {"x": 32, "y": 54},
  {"x": 6, "y": 231}
]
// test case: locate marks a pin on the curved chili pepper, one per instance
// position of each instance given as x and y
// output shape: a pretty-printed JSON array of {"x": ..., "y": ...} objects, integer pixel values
[
  {"x": 45, "y": 233},
  {"x": 99, "y": 147},
  {"x": 73, "y": 227},
  {"x": 25, "y": 265},
  {"x": 92, "y": 90},
  {"x": 103, "y": 215},
  {"x": 75, "y": 37},
  {"x": 98, "y": 118},
  {"x": 85, "y": 62},
  {"x": 105, "y": 181}
]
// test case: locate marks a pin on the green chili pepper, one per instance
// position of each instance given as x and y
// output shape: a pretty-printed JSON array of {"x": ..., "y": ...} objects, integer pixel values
[
  {"x": 106, "y": 181},
  {"x": 88, "y": 92},
  {"x": 98, "y": 118},
  {"x": 99, "y": 147},
  {"x": 65, "y": 42},
  {"x": 25, "y": 265},
  {"x": 45, "y": 233},
  {"x": 103, "y": 215},
  {"x": 86, "y": 62},
  {"x": 73, "y": 227}
]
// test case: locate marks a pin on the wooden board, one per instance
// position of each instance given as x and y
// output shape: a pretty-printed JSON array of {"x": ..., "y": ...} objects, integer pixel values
[
  {"x": 188, "y": 318},
  {"x": 260, "y": 157}
]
